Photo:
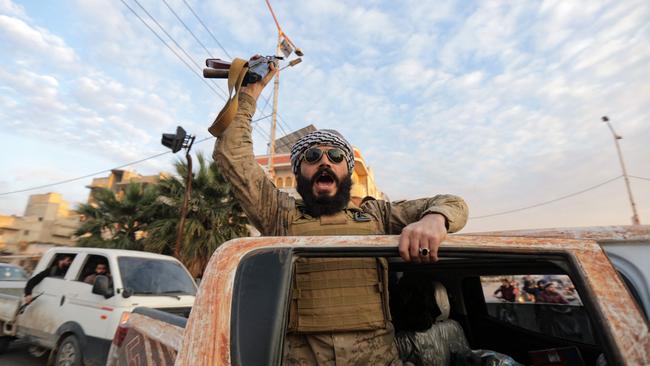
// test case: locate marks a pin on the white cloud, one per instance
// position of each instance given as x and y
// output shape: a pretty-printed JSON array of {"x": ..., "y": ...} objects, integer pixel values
[
  {"x": 21, "y": 38},
  {"x": 497, "y": 102},
  {"x": 9, "y": 8}
]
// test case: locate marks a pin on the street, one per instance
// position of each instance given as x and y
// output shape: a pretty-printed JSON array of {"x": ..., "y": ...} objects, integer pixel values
[{"x": 18, "y": 355}]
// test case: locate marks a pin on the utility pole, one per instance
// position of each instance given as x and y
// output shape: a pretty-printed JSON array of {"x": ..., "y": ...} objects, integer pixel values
[
  {"x": 276, "y": 88},
  {"x": 285, "y": 47},
  {"x": 635, "y": 216}
]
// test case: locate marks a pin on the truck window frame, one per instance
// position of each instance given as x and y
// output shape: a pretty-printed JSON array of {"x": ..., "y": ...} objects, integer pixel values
[
  {"x": 80, "y": 277},
  {"x": 257, "y": 333},
  {"x": 634, "y": 292},
  {"x": 55, "y": 257}
]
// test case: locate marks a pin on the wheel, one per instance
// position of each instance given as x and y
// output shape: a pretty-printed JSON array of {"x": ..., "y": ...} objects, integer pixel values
[
  {"x": 4, "y": 344},
  {"x": 68, "y": 353}
]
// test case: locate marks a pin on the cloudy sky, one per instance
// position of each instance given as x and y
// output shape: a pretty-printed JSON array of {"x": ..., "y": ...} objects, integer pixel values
[{"x": 499, "y": 102}]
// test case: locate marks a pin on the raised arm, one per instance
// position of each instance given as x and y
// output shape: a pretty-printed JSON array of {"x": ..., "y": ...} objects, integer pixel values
[{"x": 265, "y": 205}]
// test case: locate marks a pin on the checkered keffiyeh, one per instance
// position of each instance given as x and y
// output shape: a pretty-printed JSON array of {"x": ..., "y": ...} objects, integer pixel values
[{"x": 321, "y": 137}]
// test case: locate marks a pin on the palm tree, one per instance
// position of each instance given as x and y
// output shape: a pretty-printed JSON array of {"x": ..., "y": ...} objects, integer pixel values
[
  {"x": 214, "y": 216},
  {"x": 117, "y": 222}
]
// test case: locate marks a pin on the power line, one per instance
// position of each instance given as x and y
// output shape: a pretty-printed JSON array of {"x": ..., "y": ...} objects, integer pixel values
[
  {"x": 197, "y": 40},
  {"x": 207, "y": 29},
  {"x": 84, "y": 176},
  {"x": 261, "y": 118},
  {"x": 632, "y": 176},
  {"x": 177, "y": 44},
  {"x": 267, "y": 99},
  {"x": 117, "y": 167},
  {"x": 262, "y": 132},
  {"x": 173, "y": 51},
  {"x": 99, "y": 172},
  {"x": 549, "y": 201},
  {"x": 188, "y": 28}
]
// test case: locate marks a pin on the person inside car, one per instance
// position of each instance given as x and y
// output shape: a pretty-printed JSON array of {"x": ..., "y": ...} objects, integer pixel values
[{"x": 101, "y": 269}]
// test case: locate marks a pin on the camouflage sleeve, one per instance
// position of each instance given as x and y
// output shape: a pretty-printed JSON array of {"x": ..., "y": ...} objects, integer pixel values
[
  {"x": 266, "y": 206},
  {"x": 395, "y": 216}
]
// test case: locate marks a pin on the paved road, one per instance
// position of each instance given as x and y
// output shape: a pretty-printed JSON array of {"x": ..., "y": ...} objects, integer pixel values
[{"x": 17, "y": 355}]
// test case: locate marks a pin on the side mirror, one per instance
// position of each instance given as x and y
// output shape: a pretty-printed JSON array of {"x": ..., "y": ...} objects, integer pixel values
[
  {"x": 126, "y": 293},
  {"x": 102, "y": 286}
]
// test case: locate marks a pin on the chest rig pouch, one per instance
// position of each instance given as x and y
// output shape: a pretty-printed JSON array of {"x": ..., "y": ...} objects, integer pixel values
[{"x": 338, "y": 294}]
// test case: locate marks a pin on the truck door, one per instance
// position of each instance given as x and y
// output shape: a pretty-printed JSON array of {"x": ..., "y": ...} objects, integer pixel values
[
  {"x": 42, "y": 317},
  {"x": 91, "y": 311}
]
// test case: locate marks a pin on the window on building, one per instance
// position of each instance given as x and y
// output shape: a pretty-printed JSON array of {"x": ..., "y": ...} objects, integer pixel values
[
  {"x": 26, "y": 232},
  {"x": 289, "y": 182},
  {"x": 279, "y": 182}
]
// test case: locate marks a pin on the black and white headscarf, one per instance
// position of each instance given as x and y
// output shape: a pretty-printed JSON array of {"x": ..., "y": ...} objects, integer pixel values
[{"x": 321, "y": 137}]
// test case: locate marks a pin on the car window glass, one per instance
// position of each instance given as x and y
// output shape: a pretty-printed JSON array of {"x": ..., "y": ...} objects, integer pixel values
[
  {"x": 147, "y": 276},
  {"x": 11, "y": 273},
  {"x": 547, "y": 304}
]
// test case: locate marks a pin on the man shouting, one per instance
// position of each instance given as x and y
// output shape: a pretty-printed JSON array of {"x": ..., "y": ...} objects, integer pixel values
[{"x": 358, "y": 331}]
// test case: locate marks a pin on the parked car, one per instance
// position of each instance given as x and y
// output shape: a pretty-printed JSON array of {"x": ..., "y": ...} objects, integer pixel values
[
  {"x": 240, "y": 315},
  {"x": 12, "y": 279},
  {"x": 77, "y": 320}
]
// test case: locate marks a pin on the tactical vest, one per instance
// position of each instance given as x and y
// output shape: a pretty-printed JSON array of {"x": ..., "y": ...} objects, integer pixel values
[{"x": 338, "y": 294}]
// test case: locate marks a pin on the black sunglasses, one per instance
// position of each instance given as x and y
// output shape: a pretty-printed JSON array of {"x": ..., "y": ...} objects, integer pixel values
[{"x": 313, "y": 155}]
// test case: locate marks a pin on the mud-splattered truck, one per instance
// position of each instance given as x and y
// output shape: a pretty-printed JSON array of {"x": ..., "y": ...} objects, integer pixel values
[{"x": 241, "y": 311}]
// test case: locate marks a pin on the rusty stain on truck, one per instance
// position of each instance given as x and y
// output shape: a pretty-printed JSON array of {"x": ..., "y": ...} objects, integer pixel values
[
  {"x": 206, "y": 339},
  {"x": 154, "y": 345},
  {"x": 598, "y": 233}
]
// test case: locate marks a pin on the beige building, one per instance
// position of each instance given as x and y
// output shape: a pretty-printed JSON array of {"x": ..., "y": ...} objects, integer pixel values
[
  {"x": 119, "y": 179},
  {"x": 47, "y": 222},
  {"x": 363, "y": 180}
]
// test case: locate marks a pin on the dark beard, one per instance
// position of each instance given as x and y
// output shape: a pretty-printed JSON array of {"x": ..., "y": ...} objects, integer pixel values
[{"x": 319, "y": 206}]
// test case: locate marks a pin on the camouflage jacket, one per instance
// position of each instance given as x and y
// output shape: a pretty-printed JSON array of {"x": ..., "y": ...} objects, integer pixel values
[{"x": 272, "y": 211}]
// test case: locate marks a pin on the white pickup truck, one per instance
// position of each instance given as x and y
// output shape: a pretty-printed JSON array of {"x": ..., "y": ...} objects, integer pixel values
[{"x": 77, "y": 320}]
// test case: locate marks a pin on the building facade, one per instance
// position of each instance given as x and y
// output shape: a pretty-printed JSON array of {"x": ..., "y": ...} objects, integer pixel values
[
  {"x": 47, "y": 222},
  {"x": 119, "y": 179}
]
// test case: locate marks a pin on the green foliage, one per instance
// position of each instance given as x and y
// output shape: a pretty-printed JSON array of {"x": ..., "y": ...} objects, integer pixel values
[
  {"x": 214, "y": 216},
  {"x": 112, "y": 221}
]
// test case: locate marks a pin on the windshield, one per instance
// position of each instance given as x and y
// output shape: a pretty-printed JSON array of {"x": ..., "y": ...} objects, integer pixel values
[
  {"x": 145, "y": 276},
  {"x": 10, "y": 273}
]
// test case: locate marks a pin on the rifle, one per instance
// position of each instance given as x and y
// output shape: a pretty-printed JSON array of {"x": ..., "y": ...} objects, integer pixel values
[{"x": 22, "y": 307}]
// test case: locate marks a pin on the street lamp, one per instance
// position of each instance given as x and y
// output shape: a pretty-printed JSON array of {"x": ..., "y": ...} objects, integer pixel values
[
  {"x": 176, "y": 142},
  {"x": 635, "y": 216}
]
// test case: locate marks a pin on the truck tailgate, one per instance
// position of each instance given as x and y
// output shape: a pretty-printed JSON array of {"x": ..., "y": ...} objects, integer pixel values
[{"x": 152, "y": 341}]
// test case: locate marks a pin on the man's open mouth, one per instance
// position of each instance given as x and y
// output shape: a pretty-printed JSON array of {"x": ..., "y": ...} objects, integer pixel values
[{"x": 324, "y": 181}]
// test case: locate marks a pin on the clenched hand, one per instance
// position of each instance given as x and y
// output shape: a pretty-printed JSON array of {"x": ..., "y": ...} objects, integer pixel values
[{"x": 254, "y": 90}]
